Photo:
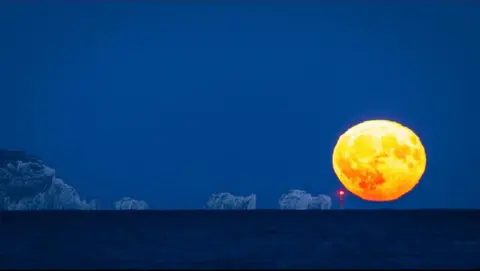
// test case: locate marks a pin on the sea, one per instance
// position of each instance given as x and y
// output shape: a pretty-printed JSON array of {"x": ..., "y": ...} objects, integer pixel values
[{"x": 260, "y": 239}]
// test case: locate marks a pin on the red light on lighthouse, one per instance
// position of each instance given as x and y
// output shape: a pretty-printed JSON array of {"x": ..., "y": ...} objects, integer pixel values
[{"x": 341, "y": 193}]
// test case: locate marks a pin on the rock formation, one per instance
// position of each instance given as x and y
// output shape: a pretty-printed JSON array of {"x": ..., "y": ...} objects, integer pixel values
[
  {"x": 127, "y": 203},
  {"x": 28, "y": 184},
  {"x": 301, "y": 200},
  {"x": 231, "y": 202}
]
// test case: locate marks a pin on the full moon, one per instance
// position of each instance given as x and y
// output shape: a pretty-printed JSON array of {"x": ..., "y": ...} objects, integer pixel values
[{"x": 379, "y": 160}]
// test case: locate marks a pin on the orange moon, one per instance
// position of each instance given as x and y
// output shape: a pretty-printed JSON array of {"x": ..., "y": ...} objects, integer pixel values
[{"x": 379, "y": 160}]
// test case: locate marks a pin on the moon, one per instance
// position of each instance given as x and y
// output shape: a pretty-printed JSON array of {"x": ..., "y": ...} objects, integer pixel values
[{"x": 379, "y": 160}]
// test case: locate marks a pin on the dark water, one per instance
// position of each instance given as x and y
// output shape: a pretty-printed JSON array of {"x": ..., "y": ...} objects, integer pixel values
[{"x": 241, "y": 239}]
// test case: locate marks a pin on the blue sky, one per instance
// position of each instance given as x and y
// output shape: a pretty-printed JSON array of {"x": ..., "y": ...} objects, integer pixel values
[{"x": 171, "y": 102}]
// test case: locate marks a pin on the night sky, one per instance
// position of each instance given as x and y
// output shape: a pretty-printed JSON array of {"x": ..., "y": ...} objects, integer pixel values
[{"x": 170, "y": 102}]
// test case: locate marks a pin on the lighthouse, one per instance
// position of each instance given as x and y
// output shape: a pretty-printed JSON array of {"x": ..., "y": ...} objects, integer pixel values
[{"x": 341, "y": 196}]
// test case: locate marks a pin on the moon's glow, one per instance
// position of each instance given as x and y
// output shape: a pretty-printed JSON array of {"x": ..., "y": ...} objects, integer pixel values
[{"x": 379, "y": 160}]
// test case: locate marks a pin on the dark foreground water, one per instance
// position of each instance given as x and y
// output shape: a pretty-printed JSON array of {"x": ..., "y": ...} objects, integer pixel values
[{"x": 240, "y": 239}]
